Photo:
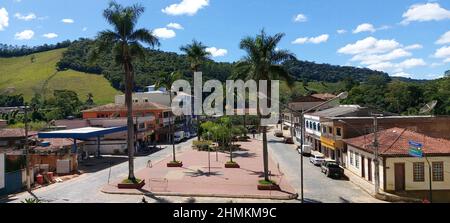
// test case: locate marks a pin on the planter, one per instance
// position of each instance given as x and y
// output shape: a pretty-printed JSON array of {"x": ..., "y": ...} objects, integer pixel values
[
  {"x": 232, "y": 165},
  {"x": 131, "y": 186},
  {"x": 268, "y": 187},
  {"x": 175, "y": 164}
]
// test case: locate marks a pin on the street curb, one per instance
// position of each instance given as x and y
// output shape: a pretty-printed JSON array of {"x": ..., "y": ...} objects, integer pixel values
[{"x": 175, "y": 194}]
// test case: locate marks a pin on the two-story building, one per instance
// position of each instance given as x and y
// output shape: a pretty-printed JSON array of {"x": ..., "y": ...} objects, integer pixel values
[
  {"x": 337, "y": 128},
  {"x": 400, "y": 172},
  {"x": 161, "y": 96},
  {"x": 151, "y": 123}
]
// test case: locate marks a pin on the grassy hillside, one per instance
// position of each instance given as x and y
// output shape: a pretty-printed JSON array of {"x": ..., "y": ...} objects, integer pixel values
[{"x": 20, "y": 76}]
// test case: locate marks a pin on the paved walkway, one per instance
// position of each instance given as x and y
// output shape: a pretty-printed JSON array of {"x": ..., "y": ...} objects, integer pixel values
[{"x": 194, "y": 178}]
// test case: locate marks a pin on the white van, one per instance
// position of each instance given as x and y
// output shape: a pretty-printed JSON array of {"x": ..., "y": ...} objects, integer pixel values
[{"x": 306, "y": 150}]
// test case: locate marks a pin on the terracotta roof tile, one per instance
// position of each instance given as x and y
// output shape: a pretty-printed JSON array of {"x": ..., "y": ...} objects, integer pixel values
[
  {"x": 395, "y": 141},
  {"x": 15, "y": 133}
]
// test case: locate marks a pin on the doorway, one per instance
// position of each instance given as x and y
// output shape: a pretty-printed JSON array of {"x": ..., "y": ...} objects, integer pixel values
[
  {"x": 399, "y": 176},
  {"x": 369, "y": 169},
  {"x": 363, "y": 167}
]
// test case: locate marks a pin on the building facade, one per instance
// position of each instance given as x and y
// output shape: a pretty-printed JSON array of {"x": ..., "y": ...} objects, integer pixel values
[{"x": 399, "y": 171}]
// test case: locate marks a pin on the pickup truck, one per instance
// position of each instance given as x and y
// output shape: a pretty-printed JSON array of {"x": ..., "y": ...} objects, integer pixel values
[{"x": 332, "y": 169}]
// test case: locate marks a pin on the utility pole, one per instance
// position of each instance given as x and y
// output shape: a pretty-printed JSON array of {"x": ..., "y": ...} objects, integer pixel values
[
  {"x": 376, "y": 161},
  {"x": 27, "y": 149}
]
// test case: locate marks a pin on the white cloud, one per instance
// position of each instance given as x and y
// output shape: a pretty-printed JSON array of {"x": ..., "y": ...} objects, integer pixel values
[
  {"x": 367, "y": 59},
  {"x": 300, "y": 18},
  {"x": 410, "y": 63},
  {"x": 425, "y": 12},
  {"x": 442, "y": 52},
  {"x": 215, "y": 52},
  {"x": 25, "y": 35},
  {"x": 28, "y": 17},
  {"x": 4, "y": 19},
  {"x": 414, "y": 47},
  {"x": 447, "y": 60},
  {"x": 68, "y": 21},
  {"x": 444, "y": 39},
  {"x": 164, "y": 33},
  {"x": 174, "y": 26},
  {"x": 369, "y": 45},
  {"x": 50, "y": 35},
  {"x": 315, "y": 40},
  {"x": 365, "y": 27},
  {"x": 401, "y": 74},
  {"x": 341, "y": 31},
  {"x": 84, "y": 29},
  {"x": 185, "y": 7}
]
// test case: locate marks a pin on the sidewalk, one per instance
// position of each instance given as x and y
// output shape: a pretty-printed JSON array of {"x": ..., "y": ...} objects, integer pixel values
[
  {"x": 194, "y": 179},
  {"x": 369, "y": 188}
]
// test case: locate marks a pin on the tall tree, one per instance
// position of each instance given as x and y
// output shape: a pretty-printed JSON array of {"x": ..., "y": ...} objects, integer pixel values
[
  {"x": 125, "y": 40},
  {"x": 166, "y": 81},
  {"x": 264, "y": 62},
  {"x": 197, "y": 55}
]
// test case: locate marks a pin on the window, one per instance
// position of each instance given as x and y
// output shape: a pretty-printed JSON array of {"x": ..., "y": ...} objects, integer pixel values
[
  {"x": 357, "y": 160},
  {"x": 419, "y": 172},
  {"x": 338, "y": 131},
  {"x": 438, "y": 171},
  {"x": 330, "y": 130},
  {"x": 351, "y": 157},
  {"x": 318, "y": 127},
  {"x": 3, "y": 143},
  {"x": 314, "y": 126},
  {"x": 324, "y": 129}
]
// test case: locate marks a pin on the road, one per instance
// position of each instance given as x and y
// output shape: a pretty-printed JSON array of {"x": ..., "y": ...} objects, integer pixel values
[
  {"x": 86, "y": 188},
  {"x": 317, "y": 187}
]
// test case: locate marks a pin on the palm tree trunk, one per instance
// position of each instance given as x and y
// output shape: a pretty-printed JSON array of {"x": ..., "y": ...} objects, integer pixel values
[
  {"x": 171, "y": 129},
  {"x": 130, "y": 123}
]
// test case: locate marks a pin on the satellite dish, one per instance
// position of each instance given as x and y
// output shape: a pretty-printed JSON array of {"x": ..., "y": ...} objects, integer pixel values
[{"x": 428, "y": 107}]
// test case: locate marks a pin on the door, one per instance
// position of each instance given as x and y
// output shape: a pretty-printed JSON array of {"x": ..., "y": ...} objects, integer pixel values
[
  {"x": 399, "y": 176},
  {"x": 369, "y": 169},
  {"x": 363, "y": 167}
]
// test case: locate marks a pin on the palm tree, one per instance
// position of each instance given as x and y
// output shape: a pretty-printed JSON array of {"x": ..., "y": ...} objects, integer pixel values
[
  {"x": 125, "y": 41},
  {"x": 196, "y": 54},
  {"x": 166, "y": 81},
  {"x": 264, "y": 62}
]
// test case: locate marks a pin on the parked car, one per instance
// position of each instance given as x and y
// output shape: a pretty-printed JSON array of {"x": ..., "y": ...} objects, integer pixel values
[
  {"x": 317, "y": 158},
  {"x": 278, "y": 133},
  {"x": 288, "y": 140},
  {"x": 187, "y": 135},
  {"x": 306, "y": 150},
  {"x": 178, "y": 136},
  {"x": 332, "y": 169}
]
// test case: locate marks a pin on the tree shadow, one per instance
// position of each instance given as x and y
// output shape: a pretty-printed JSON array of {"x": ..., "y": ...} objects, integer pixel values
[
  {"x": 97, "y": 164},
  {"x": 149, "y": 194},
  {"x": 201, "y": 173},
  {"x": 343, "y": 200},
  {"x": 244, "y": 155}
]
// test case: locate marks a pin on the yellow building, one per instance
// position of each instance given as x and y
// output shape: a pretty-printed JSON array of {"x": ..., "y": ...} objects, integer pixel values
[{"x": 400, "y": 171}]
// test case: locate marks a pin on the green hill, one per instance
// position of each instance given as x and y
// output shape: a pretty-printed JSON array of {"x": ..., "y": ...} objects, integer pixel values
[{"x": 19, "y": 75}]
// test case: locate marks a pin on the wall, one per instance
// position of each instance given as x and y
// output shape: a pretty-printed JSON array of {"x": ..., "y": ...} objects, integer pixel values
[
  {"x": 106, "y": 147},
  {"x": 409, "y": 180},
  {"x": 2, "y": 170},
  {"x": 358, "y": 171}
]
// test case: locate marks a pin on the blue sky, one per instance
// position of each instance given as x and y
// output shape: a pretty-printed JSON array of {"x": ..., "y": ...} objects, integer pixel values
[{"x": 409, "y": 38}]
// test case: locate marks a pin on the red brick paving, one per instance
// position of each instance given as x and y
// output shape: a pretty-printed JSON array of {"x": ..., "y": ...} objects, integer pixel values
[{"x": 193, "y": 178}]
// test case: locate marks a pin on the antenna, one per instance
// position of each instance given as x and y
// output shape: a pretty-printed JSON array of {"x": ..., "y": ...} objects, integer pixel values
[{"x": 428, "y": 107}]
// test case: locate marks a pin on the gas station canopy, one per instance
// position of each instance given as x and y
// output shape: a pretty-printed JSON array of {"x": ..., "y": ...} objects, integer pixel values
[{"x": 81, "y": 133}]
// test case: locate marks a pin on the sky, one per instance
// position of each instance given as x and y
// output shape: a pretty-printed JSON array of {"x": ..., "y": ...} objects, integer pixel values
[{"x": 408, "y": 38}]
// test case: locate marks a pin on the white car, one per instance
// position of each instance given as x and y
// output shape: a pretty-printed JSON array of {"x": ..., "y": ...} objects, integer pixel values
[{"x": 317, "y": 159}]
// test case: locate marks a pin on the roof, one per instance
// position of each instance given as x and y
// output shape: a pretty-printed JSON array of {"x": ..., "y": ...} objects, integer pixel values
[
  {"x": 122, "y": 107},
  {"x": 395, "y": 142},
  {"x": 324, "y": 96},
  {"x": 338, "y": 111},
  {"x": 15, "y": 133},
  {"x": 81, "y": 133},
  {"x": 55, "y": 144}
]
